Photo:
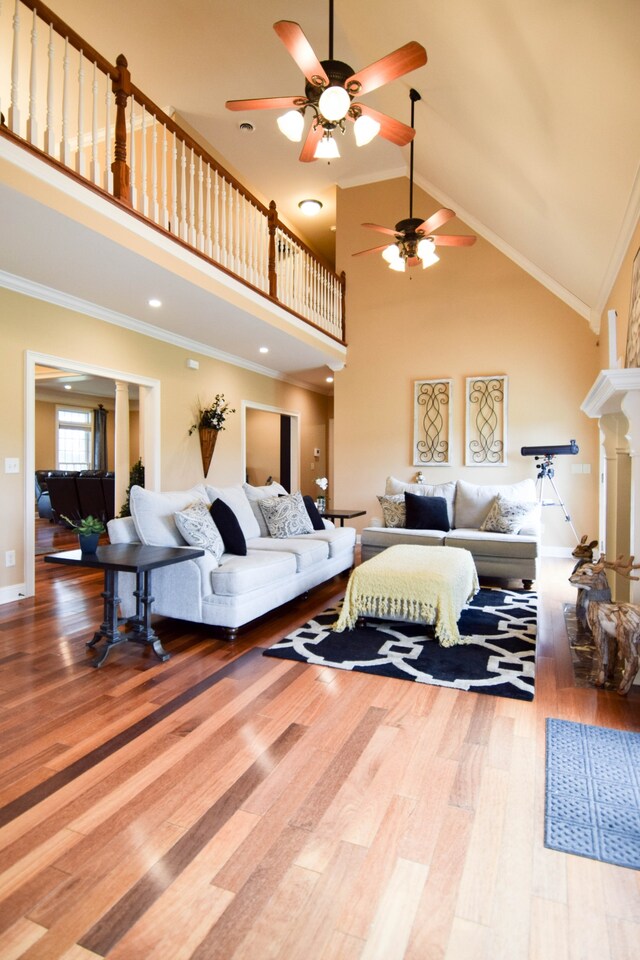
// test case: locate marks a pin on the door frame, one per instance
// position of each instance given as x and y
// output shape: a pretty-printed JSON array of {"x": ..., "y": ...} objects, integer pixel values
[{"x": 149, "y": 403}]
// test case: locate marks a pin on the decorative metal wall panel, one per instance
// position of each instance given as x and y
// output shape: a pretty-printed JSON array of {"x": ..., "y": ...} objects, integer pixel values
[
  {"x": 432, "y": 423},
  {"x": 486, "y": 431}
]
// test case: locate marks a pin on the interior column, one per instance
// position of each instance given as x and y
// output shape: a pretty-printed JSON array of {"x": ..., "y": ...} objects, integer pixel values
[{"x": 121, "y": 443}]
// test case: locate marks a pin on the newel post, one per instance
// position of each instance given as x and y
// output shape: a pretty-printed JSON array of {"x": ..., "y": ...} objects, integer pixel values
[
  {"x": 273, "y": 222},
  {"x": 121, "y": 86}
]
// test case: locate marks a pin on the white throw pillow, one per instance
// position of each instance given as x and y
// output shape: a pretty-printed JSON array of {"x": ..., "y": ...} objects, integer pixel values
[
  {"x": 394, "y": 511},
  {"x": 153, "y": 514},
  {"x": 474, "y": 500},
  {"x": 236, "y": 499},
  {"x": 447, "y": 490},
  {"x": 267, "y": 490},
  {"x": 198, "y": 529},
  {"x": 508, "y": 516},
  {"x": 286, "y": 516}
]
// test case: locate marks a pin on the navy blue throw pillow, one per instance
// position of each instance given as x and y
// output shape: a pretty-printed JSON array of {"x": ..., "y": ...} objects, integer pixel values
[
  {"x": 229, "y": 528},
  {"x": 314, "y": 516},
  {"x": 426, "y": 513}
]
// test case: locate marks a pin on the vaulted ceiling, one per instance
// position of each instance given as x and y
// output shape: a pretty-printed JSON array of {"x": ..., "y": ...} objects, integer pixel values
[{"x": 529, "y": 126}]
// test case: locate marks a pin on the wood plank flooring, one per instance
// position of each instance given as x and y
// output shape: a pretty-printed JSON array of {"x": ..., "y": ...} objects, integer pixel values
[{"x": 230, "y": 806}]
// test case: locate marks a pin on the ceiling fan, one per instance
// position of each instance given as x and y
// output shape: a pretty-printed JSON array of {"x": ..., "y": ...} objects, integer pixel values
[
  {"x": 330, "y": 91},
  {"x": 414, "y": 241}
]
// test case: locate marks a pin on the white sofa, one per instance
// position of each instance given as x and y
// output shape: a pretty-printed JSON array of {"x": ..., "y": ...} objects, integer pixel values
[
  {"x": 231, "y": 590},
  {"x": 498, "y": 555}
]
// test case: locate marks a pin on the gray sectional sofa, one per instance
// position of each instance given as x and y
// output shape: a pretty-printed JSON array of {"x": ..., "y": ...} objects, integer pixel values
[
  {"x": 228, "y": 590},
  {"x": 501, "y": 555}
]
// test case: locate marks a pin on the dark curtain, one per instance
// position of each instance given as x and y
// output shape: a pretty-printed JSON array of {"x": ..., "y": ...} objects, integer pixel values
[{"x": 100, "y": 438}]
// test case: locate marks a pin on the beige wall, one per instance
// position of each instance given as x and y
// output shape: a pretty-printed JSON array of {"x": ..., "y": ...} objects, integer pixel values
[
  {"x": 263, "y": 446},
  {"x": 29, "y": 324},
  {"x": 620, "y": 301},
  {"x": 473, "y": 313}
]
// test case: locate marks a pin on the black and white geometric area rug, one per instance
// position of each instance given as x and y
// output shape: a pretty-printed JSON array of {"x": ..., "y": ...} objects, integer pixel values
[{"x": 499, "y": 657}]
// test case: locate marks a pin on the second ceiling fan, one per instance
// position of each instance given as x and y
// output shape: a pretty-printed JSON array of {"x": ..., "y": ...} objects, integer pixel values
[
  {"x": 414, "y": 242},
  {"x": 330, "y": 93}
]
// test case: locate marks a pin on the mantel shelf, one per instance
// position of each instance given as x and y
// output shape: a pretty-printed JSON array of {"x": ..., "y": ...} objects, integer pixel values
[{"x": 609, "y": 390}]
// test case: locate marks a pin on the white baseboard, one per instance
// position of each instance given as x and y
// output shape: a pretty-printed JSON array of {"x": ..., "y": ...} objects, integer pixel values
[
  {"x": 12, "y": 593},
  {"x": 564, "y": 552}
]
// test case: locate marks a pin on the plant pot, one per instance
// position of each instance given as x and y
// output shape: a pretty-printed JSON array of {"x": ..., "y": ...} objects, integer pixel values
[
  {"x": 88, "y": 542},
  {"x": 208, "y": 437}
]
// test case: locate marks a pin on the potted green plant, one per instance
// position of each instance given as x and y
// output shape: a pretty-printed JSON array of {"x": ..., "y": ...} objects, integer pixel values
[
  {"x": 88, "y": 530},
  {"x": 209, "y": 421}
]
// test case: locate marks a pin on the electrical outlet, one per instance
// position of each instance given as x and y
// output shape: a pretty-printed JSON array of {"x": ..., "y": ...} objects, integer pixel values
[{"x": 10, "y": 558}]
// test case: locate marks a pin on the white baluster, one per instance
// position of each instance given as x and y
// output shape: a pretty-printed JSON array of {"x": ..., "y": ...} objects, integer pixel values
[
  {"x": 64, "y": 143},
  {"x": 208, "y": 248},
  {"x": 173, "y": 225},
  {"x": 232, "y": 229},
  {"x": 14, "y": 109},
  {"x": 251, "y": 252},
  {"x": 32, "y": 121},
  {"x": 80, "y": 150},
  {"x": 200, "y": 236},
  {"x": 0, "y": 90},
  {"x": 133, "y": 155},
  {"x": 183, "y": 194},
  {"x": 155, "y": 207},
  {"x": 95, "y": 166},
  {"x": 163, "y": 176},
  {"x": 223, "y": 225},
  {"x": 216, "y": 216},
  {"x": 144, "y": 205},
  {"x": 108, "y": 140},
  {"x": 192, "y": 198},
  {"x": 49, "y": 142}
]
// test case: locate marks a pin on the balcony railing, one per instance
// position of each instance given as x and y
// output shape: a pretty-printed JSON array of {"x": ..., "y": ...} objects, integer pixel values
[{"x": 64, "y": 100}]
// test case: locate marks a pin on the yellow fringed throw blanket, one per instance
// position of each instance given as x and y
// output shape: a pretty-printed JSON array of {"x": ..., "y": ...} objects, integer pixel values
[{"x": 413, "y": 583}]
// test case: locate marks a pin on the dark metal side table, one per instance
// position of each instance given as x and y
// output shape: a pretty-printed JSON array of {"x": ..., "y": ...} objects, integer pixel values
[
  {"x": 342, "y": 515},
  {"x": 114, "y": 558}
]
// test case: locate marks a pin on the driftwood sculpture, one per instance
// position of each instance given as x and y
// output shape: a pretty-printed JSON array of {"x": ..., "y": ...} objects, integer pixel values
[
  {"x": 584, "y": 554},
  {"x": 615, "y": 626}
]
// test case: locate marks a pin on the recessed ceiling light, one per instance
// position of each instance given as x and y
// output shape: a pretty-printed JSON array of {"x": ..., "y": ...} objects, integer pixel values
[
  {"x": 154, "y": 302},
  {"x": 67, "y": 386},
  {"x": 310, "y": 208},
  {"x": 246, "y": 127},
  {"x": 264, "y": 349},
  {"x": 329, "y": 379}
]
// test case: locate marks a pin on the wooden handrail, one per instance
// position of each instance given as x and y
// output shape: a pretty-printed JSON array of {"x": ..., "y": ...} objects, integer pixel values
[{"x": 74, "y": 38}]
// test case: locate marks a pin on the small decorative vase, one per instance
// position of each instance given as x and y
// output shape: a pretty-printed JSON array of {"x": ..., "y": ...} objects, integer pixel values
[
  {"x": 321, "y": 503},
  {"x": 88, "y": 542},
  {"x": 208, "y": 437}
]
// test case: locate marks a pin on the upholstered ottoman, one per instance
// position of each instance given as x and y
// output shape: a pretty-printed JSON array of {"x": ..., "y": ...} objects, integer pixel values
[{"x": 412, "y": 583}]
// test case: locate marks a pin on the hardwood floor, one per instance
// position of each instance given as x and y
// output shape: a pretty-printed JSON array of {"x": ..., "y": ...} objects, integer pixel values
[{"x": 229, "y": 805}]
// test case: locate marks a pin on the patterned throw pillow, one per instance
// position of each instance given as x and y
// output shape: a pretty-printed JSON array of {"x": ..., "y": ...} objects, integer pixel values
[
  {"x": 286, "y": 516},
  {"x": 394, "y": 511},
  {"x": 198, "y": 529},
  {"x": 507, "y": 516}
]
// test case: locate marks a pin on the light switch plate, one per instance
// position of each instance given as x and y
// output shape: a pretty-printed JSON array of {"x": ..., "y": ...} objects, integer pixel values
[{"x": 11, "y": 465}]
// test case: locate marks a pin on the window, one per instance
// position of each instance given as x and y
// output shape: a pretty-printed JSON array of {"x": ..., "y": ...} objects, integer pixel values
[{"x": 74, "y": 433}]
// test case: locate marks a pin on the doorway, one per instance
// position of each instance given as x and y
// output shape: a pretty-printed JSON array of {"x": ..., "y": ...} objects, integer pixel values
[
  {"x": 149, "y": 413},
  {"x": 271, "y": 445}
]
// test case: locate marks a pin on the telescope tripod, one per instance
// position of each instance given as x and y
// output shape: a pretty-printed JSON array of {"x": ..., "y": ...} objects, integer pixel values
[{"x": 546, "y": 472}]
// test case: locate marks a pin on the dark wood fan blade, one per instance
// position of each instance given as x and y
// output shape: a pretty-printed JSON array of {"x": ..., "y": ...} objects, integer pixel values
[
  {"x": 375, "y": 226},
  {"x": 461, "y": 240},
  {"x": 301, "y": 50},
  {"x": 361, "y": 253},
  {"x": 396, "y": 64},
  {"x": 266, "y": 103},
  {"x": 392, "y": 130},
  {"x": 436, "y": 220},
  {"x": 307, "y": 154},
  {"x": 413, "y": 261}
]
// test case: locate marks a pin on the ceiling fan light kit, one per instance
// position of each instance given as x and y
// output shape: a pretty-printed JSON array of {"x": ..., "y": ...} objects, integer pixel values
[
  {"x": 330, "y": 91},
  {"x": 413, "y": 243}
]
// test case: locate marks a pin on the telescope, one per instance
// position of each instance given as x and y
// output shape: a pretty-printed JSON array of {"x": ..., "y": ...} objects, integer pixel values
[{"x": 570, "y": 448}]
